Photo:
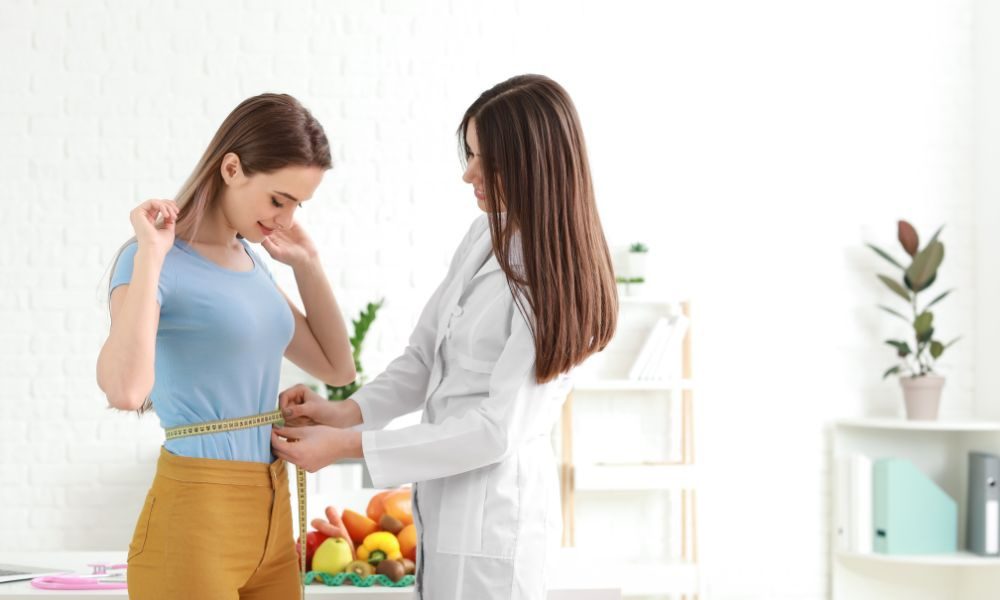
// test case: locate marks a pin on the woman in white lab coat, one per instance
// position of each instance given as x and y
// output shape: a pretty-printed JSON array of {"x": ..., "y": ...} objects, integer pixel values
[{"x": 529, "y": 295}]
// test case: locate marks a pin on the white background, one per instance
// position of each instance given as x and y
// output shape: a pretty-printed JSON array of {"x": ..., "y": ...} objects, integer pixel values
[{"x": 754, "y": 146}]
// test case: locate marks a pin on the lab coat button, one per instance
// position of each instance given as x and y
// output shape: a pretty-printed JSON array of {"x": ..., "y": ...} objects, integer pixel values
[{"x": 457, "y": 312}]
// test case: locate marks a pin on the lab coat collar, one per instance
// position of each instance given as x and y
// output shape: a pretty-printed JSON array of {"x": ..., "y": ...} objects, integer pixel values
[
  {"x": 516, "y": 259},
  {"x": 478, "y": 261}
]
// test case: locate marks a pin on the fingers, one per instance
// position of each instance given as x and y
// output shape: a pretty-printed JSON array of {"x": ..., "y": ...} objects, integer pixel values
[
  {"x": 283, "y": 449},
  {"x": 154, "y": 209},
  {"x": 295, "y": 406},
  {"x": 293, "y": 395},
  {"x": 290, "y": 435}
]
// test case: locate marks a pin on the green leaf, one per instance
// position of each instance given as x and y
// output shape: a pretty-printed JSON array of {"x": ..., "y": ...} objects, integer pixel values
[
  {"x": 894, "y": 312},
  {"x": 894, "y": 286},
  {"x": 361, "y": 325},
  {"x": 937, "y": 349},
  {"x": 925, "y": 336},
  {"x": 923, "y": 322},
  {"x": 909, "y": 285},
  {"x": 891, "y": 371},
  {"x": 886, "y": 256},
  {"x": 935, "y": 236},
  {"x": 902, "y": 348},
  {"x": 938, "y": 299},
  {"x": 952, "y": 342},
  {"x": 925, "y": 265}
]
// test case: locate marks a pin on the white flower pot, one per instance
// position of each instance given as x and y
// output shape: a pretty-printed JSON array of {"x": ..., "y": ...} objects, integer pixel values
[
  {"x": 636, "y": 264},
  {"x": 922, "y": 396}
]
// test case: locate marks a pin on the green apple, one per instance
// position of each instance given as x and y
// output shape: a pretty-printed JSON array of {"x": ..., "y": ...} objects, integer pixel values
[{"x": 332, "y": 556}]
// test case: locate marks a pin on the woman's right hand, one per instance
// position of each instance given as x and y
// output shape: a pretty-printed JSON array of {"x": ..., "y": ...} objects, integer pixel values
[
  {"x": 301, "y": 406},
  {"x": 157, "y": 239}
]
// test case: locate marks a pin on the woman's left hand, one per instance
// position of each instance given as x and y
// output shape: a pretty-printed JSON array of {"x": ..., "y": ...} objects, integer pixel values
[
  {"x": 315, "y": 446},
  {"x": 291, "y": 246}
]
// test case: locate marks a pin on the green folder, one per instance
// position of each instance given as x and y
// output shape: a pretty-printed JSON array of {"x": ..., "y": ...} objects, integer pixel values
[{"x": 911, "y": 514}]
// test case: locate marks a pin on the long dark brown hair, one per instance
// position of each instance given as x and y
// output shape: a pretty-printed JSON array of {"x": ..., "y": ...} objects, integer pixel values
[{"x": 535, "y": 169}]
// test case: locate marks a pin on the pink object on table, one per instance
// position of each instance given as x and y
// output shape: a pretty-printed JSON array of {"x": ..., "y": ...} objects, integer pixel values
[{"x": 82, "y": 582}]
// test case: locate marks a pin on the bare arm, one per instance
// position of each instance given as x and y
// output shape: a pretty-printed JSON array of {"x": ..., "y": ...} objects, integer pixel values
[
  {"x": 320, "y": 344},
  {"x": 125, "y": 363}
]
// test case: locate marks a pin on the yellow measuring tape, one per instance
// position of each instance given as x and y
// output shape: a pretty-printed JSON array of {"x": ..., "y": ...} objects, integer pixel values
[{"x": 268, "y": 418}]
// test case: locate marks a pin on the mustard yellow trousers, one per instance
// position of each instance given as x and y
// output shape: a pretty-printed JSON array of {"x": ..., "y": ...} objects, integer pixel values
[{"x": 214, "y": 530}]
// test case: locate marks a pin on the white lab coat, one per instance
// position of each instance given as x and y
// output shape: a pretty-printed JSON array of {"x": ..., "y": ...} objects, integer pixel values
[{"x": 486, "y": 497}]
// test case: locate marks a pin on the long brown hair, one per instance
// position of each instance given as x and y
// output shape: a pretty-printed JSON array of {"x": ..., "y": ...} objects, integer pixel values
[
  {"x": 535, "y": 169},
  {"x": 268, "y": 132}
]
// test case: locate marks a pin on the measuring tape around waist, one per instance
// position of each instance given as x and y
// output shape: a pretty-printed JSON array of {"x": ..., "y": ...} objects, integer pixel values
[{"x": 268, "y": 418}]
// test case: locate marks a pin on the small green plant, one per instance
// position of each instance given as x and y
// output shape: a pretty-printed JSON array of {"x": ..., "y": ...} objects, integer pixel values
[
  {"x": 638, "y": 248},
  {"x": 630, "y": 279},
  {"x": 361, "y": 325},
  {"x": 917, "y": 277}
]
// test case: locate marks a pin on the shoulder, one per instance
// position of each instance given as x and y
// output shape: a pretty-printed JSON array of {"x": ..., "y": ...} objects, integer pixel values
[
  {"x": 257, "y": 259},
  {"x": 477, "y": 228}
]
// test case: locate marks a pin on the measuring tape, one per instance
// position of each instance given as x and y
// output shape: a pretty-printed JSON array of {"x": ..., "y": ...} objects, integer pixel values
[{"x": 268, "y": 418}]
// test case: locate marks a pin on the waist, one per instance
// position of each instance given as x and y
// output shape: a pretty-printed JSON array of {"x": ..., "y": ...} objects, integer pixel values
[{"x": 227, "y": 472}]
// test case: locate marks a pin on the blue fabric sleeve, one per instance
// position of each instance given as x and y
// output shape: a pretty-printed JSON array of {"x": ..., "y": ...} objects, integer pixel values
[{"x": 122, "y": 274}]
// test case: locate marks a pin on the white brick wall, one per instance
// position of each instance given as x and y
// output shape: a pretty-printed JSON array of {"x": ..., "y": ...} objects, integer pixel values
[{"x": 753, "y": 146}]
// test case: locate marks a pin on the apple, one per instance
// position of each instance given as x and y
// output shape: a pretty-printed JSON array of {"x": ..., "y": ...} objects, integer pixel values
[
  {"x": 332, "y": 556},
  {"x": 313, "y": 540}
]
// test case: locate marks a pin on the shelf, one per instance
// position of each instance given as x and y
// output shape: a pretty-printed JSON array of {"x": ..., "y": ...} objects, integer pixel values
[
  {"x": 675, "y": 577},
  {"x": 900, "y": 424},
  {"x": 633, "y": 477},
  {"x": 631, "y": 385},
  {"x": 960, "y": 559}
]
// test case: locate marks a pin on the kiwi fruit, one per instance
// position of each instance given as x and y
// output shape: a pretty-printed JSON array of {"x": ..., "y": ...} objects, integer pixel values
[
  {"x": 393, "y": 569},
  {"x": 409, "y": 566},
  {"x": 360, "y": 568},
  {"x": 390, "y": 523}
]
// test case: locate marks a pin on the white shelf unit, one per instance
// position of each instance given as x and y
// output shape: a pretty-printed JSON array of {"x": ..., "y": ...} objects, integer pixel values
[
  {"x": 627, "y": 456},
  {"x": 940, "y": 449}
]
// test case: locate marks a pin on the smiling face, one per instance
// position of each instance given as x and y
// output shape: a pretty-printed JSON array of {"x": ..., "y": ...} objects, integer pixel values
[
  {"x": 474, "y": 167},
  {"x": 257, "y": 205}
]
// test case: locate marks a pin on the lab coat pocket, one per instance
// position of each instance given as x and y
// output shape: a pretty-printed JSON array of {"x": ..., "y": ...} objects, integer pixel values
[
  {"x": 479, "y": 512},
  {"x": 460, "y": 515},
  {"x": 472, "y": 364},
  {"x": 141, "y": 528}
]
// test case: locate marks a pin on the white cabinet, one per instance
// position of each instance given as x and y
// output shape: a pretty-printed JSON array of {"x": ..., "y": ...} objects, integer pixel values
[
  {"x": 940, "y": 450},
  {"x": 628, "y": 472}
]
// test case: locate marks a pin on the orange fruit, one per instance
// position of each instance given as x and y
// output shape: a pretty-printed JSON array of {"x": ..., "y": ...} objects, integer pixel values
[
  {"x": 358, "y": 526},
  {"x": 408, "y": 542},
  {"x": 399, "y": 504},
  {"x": 375, "y": 507}
]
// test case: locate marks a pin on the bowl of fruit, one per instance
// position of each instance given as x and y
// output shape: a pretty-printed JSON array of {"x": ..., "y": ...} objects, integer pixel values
[{"x": 378, "y": 547}]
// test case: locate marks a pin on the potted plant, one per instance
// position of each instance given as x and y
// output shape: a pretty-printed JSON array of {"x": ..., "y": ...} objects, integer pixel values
[
  {"x": 921, "y": 385},
  {"x": 335, "y": 394},
  {"x": 361, "y": 326},
  {"x": 629, "y": 286},
  {"x": 636, "y": 265}
]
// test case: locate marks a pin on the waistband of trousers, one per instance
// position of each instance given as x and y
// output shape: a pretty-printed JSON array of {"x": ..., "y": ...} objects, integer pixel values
[{"x": 228, "y": 472}]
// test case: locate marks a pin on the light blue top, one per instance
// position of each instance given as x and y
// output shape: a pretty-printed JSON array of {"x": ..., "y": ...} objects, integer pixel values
[{"x": 219, "y": 345}]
